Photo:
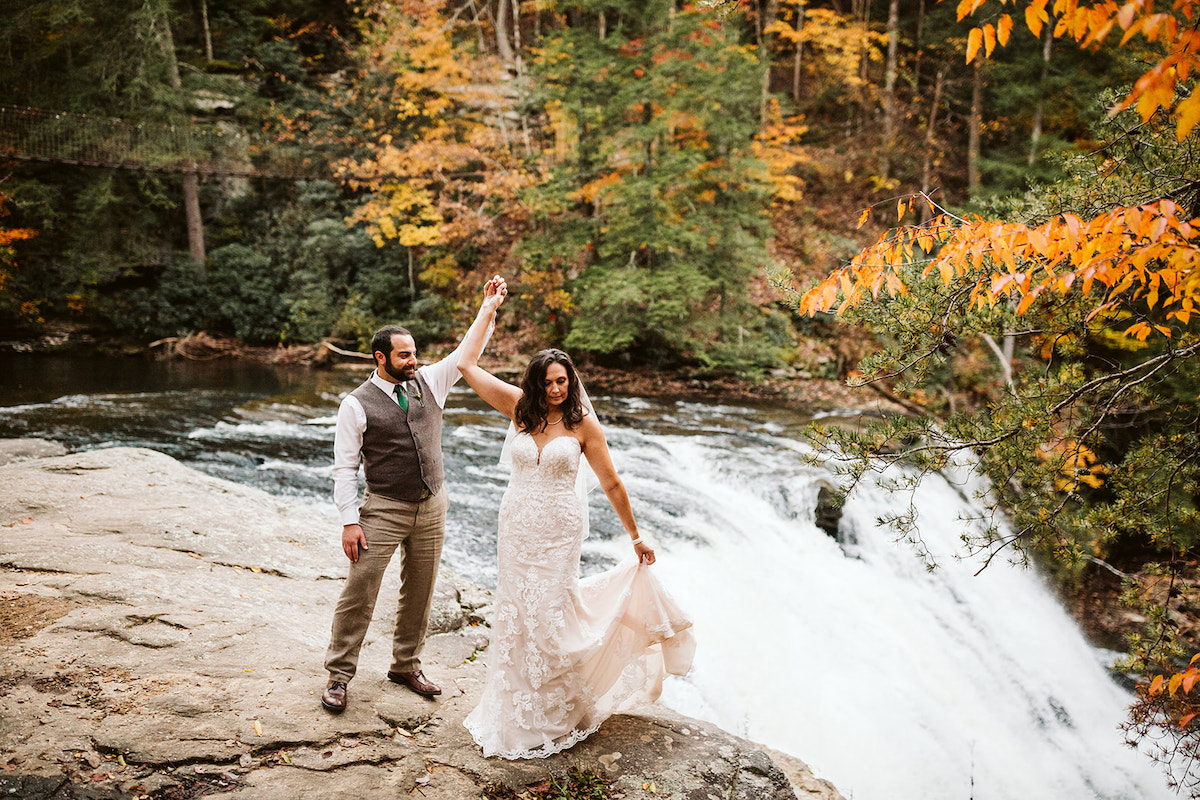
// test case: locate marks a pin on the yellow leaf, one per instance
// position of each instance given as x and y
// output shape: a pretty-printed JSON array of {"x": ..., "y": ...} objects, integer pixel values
[
  {"x": 989, "y": 39},
  {"x": 974, "y": 40},
  {"x": 899, "y": 210},
  {"x": 258, "y": 727},
  {"x": 1187, "y": 115},
  {"x": 1035, "y": 17}
]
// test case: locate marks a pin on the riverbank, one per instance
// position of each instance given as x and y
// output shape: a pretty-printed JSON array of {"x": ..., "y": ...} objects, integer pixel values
[
  {"x": 800, "y": 388},
  {"x": 164, "y": 632}
]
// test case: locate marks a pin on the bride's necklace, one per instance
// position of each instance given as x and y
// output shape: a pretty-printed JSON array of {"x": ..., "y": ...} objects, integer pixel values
[{"x": 549, "y": 423}]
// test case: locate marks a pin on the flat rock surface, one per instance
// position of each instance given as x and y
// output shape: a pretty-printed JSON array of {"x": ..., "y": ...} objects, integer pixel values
[{"x": 164, "y": 633}]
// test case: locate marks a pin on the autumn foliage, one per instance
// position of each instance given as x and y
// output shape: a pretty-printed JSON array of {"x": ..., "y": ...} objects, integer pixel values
[
  {"x": 23, "y": 309},
  {"x": 1148, "y": 253},
  {"x": 1172, "y": 33}
]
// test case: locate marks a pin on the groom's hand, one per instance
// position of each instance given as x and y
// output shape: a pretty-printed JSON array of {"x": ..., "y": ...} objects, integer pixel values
[{"x": 352, "y": 539}]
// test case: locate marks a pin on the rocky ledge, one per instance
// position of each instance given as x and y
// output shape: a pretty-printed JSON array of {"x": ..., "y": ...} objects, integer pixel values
[{"x": 164, "y": 632}]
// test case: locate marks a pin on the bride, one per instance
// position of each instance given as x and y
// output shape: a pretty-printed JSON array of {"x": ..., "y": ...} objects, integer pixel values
[{"x": 565, "y": 653}]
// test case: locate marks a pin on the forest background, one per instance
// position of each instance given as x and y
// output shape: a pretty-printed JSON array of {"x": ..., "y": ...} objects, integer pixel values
[{"x": 660, "y": 183}]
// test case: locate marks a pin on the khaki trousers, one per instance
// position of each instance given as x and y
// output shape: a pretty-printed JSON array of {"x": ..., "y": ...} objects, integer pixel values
[{"x": 417, "y": 530}]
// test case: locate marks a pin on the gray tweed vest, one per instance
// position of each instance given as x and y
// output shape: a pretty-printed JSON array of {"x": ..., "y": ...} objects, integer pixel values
[{"x": 402, "y": 453}]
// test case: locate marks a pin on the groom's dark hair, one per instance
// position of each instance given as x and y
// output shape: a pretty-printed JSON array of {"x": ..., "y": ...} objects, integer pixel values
[
  {"x": 381, "y": 342},
  {"x": 531, "y": 409}
]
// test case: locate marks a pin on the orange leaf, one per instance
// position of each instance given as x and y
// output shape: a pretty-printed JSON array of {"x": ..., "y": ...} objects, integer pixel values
[
  {"x": 863, "y": 217},
  {"x": 899, "y": 210},
  {"x": 1189, "y": 680},
  {"x": 1183, "y": 722},
  {"x": 1156, "y": 685},
  {"x": 974, "y": 40},
  {"x": 1173, "y": 684},
  {"x": 989, "y": 39},
  {"x": 1004, "y": 28}
]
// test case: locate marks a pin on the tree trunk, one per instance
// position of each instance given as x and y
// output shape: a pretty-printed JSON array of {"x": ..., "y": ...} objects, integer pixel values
[
  {"x": 412, "y": 284},
  {"x": 516, "y": 20},
  {"x": 191, "y": 181},
  {"x": 917, "y": 45},
  {"x": 602, "y": 26},
  {"x": 797, "y": 61},
  {"x": 976, "y": 127},
  {"x": 889, "y": 86},
  {"x": 769, "y": 14},
  {"x": 208, "y": 51},
  {"x": 502, "y": 23},
  {"x": 195, "y": 222},
  {"x": 863, "y": 16},
  {"x": 927, "y": 167},
  {"x": 1036, "y": 134},
  {"x": 1004, "y": 355}
]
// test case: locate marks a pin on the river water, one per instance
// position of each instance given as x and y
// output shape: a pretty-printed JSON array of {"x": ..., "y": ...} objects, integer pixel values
[{"x": 894, "y": 682}]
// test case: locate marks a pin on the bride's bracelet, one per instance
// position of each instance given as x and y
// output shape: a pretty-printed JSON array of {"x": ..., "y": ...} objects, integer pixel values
[{"x": 637, "y": 541}]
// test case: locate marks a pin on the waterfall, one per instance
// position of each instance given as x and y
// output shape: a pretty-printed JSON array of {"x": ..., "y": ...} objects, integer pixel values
[{"x": 892, "y": 681}]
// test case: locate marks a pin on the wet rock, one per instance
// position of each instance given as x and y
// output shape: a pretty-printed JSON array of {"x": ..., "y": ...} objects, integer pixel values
[
  {"x": 12, "y": 450},
  {"x": 172, "y": 639}
]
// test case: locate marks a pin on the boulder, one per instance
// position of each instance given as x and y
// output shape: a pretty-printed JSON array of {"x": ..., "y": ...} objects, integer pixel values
[{"x": 164, "y": 633}]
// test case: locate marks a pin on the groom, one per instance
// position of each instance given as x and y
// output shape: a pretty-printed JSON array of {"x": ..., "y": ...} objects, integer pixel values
[{"x": 393, "y": 424}]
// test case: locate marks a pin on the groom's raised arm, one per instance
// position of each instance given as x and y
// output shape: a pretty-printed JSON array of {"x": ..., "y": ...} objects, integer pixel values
[{"x": 444, "y": 374}]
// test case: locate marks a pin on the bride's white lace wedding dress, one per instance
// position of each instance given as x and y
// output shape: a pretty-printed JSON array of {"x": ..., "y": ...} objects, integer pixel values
[{"x": 566, "y": 653}]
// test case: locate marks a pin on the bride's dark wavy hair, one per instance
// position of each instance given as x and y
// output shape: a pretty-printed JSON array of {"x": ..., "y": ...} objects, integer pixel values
[{"x": 532, "y": 409}]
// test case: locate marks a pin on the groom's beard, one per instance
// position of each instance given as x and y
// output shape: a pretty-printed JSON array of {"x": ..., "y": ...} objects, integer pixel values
[{"x": 399, "y": 375}]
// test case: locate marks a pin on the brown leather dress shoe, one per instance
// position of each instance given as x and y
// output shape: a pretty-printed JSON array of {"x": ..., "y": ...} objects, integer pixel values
[
  {"x": 415, "y": 681},
  {"x": 334, "y": 697}
]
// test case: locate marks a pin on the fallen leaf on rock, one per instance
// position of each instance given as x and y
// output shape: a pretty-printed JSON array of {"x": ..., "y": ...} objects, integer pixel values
[
  {"x": 27, "y": 521},
  {"x": 404, "y": 733},
  {"x": 245, "y": 760},
  {"x": 194, "y": 555},
  {"x": 347, "y": 743},
  {"x": 424, "y": 779},
  {"x": 247, "y": 670},
  {"x": 258, "y": 727},
  {"x": 101, "y": 776},
  {"x": 287, "y": 759},
  {"x": 327, "y": 754}
]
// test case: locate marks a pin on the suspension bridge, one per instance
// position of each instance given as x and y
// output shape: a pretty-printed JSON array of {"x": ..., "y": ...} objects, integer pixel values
[{"x": 63, "y": 137}]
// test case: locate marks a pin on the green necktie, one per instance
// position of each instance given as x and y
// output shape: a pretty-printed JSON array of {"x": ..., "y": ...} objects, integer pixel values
[{"x": 402, "y": 397}]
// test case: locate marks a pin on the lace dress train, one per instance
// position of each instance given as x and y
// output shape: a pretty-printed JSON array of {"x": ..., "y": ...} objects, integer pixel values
[{"x": 566, "y": 653}]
